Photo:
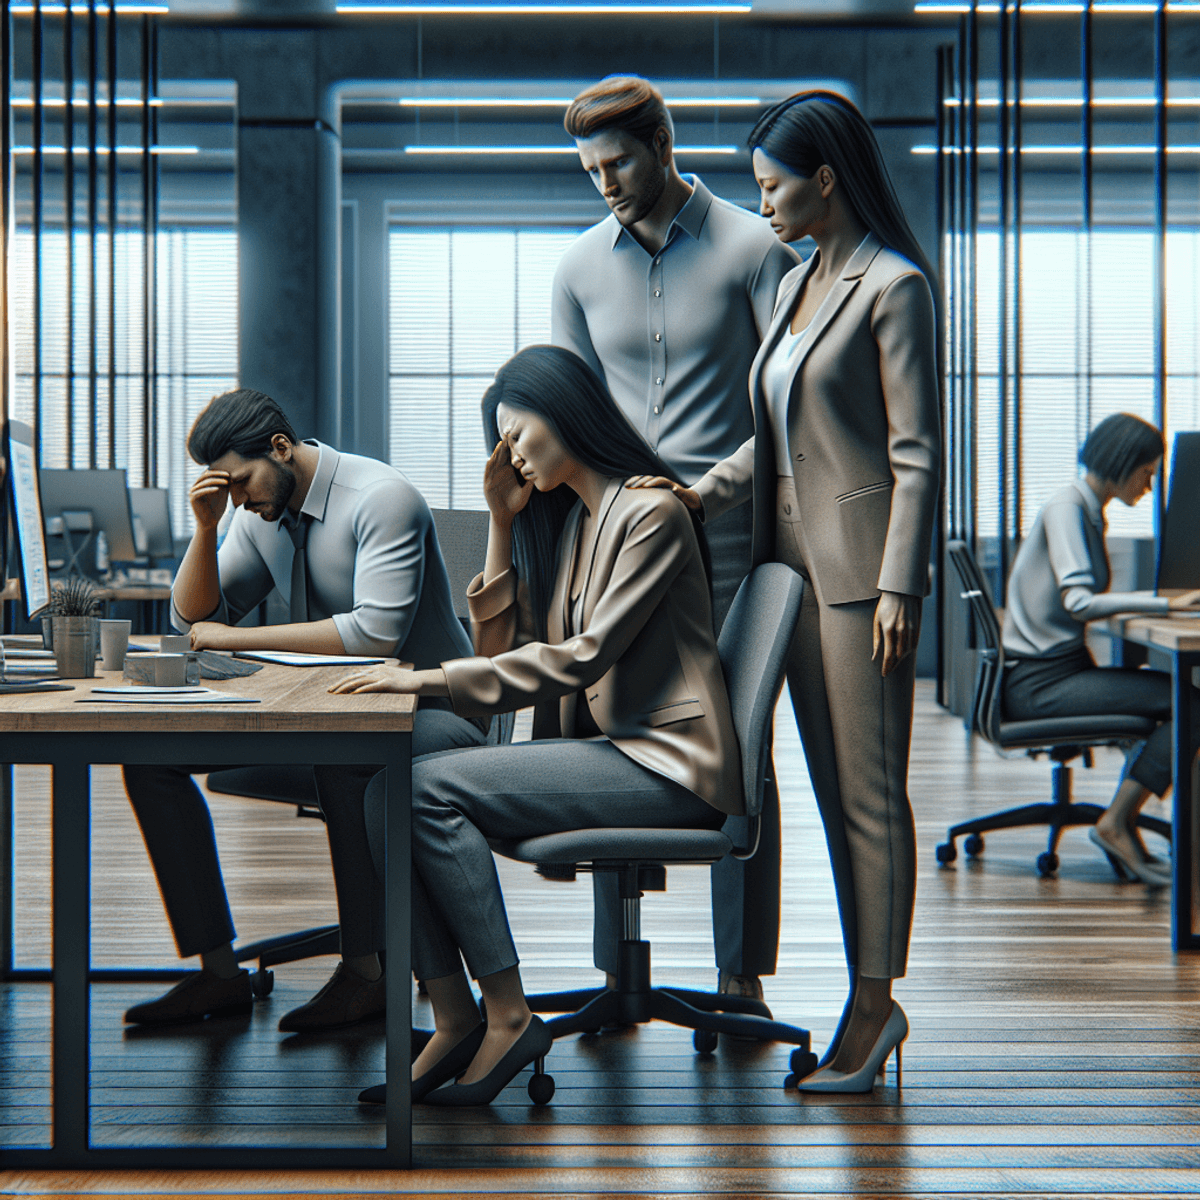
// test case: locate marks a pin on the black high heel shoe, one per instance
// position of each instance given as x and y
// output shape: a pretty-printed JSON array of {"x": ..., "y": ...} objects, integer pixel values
[
  {"x": 452, "y": 1064},
  {"x": 532, "y": 1046}
]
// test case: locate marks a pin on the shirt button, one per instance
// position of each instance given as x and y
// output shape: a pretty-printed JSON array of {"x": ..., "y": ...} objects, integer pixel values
[
  {"x": 656, "y": 410},
  {"x": 657, "y": 262},
  {"x": 657, "y": 292},
  {"x": 658, "y": 337},
  {"x": 658, "y": 381}
]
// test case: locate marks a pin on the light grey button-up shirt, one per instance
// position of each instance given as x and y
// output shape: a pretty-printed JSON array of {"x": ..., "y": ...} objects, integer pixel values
[
  {"x": 674, "y": 333},
  {"x": 1060, "y": 576},
  {"x": 374, "y": 565}
]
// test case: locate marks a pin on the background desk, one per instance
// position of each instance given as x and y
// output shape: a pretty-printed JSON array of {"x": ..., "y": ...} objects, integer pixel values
[
  {"x": 296, "y": 721},
  {"x": 1180, "y": 638}
]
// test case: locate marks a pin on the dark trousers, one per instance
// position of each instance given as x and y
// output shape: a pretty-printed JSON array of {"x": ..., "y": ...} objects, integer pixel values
[
  {"x": 178, "y": 830},
  {"x": 1071, "y": 685},
  {"x": 463, "y": 797}
]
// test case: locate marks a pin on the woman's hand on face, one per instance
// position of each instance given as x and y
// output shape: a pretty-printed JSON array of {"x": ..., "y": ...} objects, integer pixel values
[
  {"x": 897, "y": 628},
  {"x": 1186, "y": 600},
  {"x": 503, "y": 490},
  {"x": 378, "y": 679},
  {"x": 211, "y": 635},
  {"x": 689, "y": 496}
]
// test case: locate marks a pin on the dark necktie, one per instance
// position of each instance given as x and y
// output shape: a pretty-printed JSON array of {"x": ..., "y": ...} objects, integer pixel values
[{"x": 299, "y": 599}]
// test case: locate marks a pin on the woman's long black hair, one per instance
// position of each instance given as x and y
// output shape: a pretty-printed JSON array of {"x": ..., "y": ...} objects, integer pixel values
[
  {"x": 818, "y": 128},
  {"x": 566, "y": 393}
]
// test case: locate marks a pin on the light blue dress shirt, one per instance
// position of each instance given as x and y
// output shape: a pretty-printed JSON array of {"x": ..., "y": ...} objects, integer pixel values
[
  {"x": 673, "y": 334},
  {"x": 374, "y": 565}
]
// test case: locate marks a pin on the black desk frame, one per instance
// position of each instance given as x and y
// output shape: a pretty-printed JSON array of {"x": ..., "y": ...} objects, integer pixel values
[
  {"x": 1185, "y": 885},
  {"x": 70, "y": 755}
]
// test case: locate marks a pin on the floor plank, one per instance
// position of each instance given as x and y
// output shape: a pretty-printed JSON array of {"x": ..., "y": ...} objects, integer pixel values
[{"x": 1055, "y": 1047}]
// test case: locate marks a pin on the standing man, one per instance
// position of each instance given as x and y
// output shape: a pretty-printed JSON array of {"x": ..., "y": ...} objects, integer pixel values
[
  {"x": 351, "y": 544},
  {"x": 667, "y": 300}
]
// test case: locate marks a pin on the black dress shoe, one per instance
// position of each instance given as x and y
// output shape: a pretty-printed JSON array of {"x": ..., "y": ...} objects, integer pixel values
[
  {"x": 345, "y": 1000},
  {"x": 450, "y": 1066},
  {"x": 533, "y": 1044},
  {"x": 196, "y": 996}
]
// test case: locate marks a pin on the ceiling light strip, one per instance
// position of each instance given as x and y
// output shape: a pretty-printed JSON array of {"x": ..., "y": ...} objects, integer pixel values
[
  {"x": 106, "y": 150},
  {"x": 1064, "y": 150},
  {"x": 501, "y": 150},
  {"x": 1077, "y": 102},
  {"x": 554, "y": 102},
  {"x": 554, "y": 10}
]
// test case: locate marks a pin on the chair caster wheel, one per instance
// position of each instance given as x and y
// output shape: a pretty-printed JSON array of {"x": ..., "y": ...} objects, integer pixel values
[
  {"x": 541, "y": 1088},
  {"x": 704, "y": 1041},
  {"x": 262, "y": 982},
  {"x": 947, "y": 852},
  {"x": 789, "y": 1082},
  {"x": 802, "y": 1063},
  {"x": 1047, "y": 863},
  {"x": 973, "y": 845}
]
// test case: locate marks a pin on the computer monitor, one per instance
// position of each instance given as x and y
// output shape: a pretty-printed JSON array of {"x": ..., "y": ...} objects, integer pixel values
[
  {"x": 151, "y": 508},
  {"x": 1179, "y": 545},
  {"x": 86, "y": 502},
  {"x": 27, "y": 518}
]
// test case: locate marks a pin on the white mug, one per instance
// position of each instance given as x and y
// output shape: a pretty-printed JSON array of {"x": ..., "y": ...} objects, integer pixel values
[{"x": 114, "y": 642}]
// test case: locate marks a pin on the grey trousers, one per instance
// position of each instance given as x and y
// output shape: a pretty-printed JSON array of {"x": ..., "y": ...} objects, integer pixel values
[
  {"x": 463, "y": 797},
  {"x": 178, "y": 830},
  {"x": 856, "y": 727},
  {"x": 745, "y": 892}
]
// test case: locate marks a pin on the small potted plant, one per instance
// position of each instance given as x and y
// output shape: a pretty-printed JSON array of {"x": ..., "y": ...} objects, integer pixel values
[{"x": 74, "y": 626}]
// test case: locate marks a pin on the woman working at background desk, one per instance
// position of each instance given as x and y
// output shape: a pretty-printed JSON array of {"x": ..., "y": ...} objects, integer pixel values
[
  {"x": 593, "y": 606},
  {"x": 1059, "y": 582}
]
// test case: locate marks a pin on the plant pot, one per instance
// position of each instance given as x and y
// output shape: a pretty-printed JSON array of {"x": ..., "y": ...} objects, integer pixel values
[{"x": 75, "y": 645}]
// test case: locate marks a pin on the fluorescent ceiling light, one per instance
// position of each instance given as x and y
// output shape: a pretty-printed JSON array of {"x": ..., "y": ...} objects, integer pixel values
[
  {"x": 26, "y": 10},
  {"x": 556, "y": 102},
  {"x": 1077, "y": 102},
  {"x": 105, "y": 150},
  {"x": 549, "y": 9},
  {"x": 1114, "y": 6},
  {"x": 1119, "y": 150},
  {"x": 59, "y": 102},
  {"x": 493, "y": 150}
]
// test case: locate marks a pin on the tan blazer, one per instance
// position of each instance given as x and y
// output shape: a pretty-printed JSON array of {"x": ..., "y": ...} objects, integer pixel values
[
  {"x": 646, "y": 656},
  {"x": 863, "y": 431}
]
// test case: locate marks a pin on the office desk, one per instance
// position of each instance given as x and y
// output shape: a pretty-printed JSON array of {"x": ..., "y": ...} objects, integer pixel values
[
  {"x": 296, "y": 721},
  {"x": 1180, "y": 638}
]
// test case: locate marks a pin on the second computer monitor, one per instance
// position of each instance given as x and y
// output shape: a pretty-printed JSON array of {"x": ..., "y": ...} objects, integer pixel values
[
  {"x": 1179, "y": 545},
  {"x": 151, "y": 509},
  {"x": 104, "y": 494}
]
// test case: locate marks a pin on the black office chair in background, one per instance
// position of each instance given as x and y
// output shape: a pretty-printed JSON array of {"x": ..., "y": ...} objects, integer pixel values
[
  {"x": 462, "y": 535},
  {"x": 1063, "y": 739},
  {"x": 753, "y": 648}
]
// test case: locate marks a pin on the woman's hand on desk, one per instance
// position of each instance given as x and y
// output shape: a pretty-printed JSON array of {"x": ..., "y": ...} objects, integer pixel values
[
  {"x": 212, "y": 635},
  {"x": 689, "y": 496},
  {"x": 393, "y": 679},
  {"x": 1185, "y": 600},
  {"x": 897, "y": 628}
]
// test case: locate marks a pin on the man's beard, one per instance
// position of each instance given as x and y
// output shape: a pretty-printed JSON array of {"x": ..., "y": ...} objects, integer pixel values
[
  {"x": 283, "y": 484},
  {"x": 642, "y": 204}
]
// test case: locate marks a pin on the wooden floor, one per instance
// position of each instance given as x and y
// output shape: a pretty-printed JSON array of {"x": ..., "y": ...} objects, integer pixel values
[{"x": 1055, "y": 1045}]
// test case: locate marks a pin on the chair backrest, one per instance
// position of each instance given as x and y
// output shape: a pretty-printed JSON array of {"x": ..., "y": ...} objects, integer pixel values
[
  {"x": 462, "y": 534},
  {"x": 985, "y": 705},
  {"x": 753, "y": 647}
]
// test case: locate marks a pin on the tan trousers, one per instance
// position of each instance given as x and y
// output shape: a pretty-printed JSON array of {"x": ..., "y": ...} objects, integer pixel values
[{"x": 856, "y": 727}]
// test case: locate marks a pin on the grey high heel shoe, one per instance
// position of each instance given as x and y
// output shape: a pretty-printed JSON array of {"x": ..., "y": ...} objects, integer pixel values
[{"x": 891, "y": 1037}]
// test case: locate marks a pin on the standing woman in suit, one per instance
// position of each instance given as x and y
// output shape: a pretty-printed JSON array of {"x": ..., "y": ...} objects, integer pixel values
[
  {"x": 844, "y": 470},
  {"x": 593, "y": 606}
]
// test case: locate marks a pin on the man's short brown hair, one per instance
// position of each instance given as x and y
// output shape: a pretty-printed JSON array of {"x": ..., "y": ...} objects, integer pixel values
[{"x": 625, "y": 102}]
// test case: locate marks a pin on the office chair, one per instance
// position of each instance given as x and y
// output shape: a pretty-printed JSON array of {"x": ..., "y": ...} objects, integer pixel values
[
  {"x": 753, "y": 648},
  {"x": 462, "y": 535},
  {"x": 1062, "y": 738}
]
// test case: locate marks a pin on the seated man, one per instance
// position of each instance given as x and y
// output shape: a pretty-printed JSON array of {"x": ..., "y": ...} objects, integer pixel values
[{"x": 351, "y": 544}]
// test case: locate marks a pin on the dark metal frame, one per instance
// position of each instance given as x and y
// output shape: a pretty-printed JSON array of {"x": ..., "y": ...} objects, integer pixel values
[{"x": 69, "y": 755}]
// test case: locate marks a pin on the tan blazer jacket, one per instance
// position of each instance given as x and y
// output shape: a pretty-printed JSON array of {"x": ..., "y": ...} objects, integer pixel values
[
  {"x": 646, "y": 656},
  {"x": 863, "y": 431}
]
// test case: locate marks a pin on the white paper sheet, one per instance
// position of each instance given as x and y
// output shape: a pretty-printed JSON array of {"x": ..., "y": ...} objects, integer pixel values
[
  {"x": 287, "y": 658},
  {"x": 164, "y": 695}
]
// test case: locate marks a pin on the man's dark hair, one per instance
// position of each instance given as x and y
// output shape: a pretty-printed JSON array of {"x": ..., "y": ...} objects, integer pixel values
[
  {"x": 1119, "y": 445},
  {"x": 244, "y": 421},
  {"x": 625, "y": 102}
]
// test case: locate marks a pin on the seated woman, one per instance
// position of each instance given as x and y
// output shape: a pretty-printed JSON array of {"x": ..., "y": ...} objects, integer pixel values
[
  {"x": 594, "y": 607},
  {"x": 1059, "y": 582}
]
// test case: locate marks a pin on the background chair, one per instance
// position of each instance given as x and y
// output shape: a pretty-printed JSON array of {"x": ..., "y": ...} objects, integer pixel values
[
  {"x": 462, "y": 535},
  {"x": 753, "y": 648},
  {"x": 1062, "y": 738}
]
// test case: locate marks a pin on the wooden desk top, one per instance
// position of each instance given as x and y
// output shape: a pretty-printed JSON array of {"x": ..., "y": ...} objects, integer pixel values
[
  {"x": 293, "y": 700},
  {"x": 1173, "y": 633}
]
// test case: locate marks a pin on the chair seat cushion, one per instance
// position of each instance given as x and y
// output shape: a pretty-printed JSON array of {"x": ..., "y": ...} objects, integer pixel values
[
  {"x": 284, "y": 783},
  {"x": 1064, "y": 731},
  {"x": 619, "y": 845}
]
